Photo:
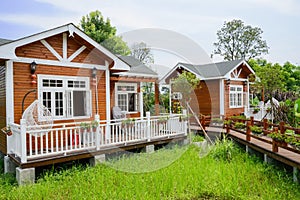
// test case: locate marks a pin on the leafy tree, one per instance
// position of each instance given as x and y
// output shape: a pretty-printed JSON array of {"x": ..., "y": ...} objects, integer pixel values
[
  {"x": 185, "y": 83},
  {"x": 101, "y": 30},
  {"x": 116, "y": 45},
  {"x": 238, "y": 41},
  {"x": 141, "y": 52},
  {"x": 270, "y": 77}
]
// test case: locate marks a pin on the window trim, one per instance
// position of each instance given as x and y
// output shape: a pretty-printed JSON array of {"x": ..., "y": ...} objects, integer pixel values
[
  {"x": 117, "y": 92},
  {"x": 65, "y": 89},
  {"x": 235, "y": 93}
]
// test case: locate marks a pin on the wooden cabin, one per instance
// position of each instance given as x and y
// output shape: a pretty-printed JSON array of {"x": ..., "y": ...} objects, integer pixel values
[
  {"x": 76, "y": 80},
  {"x": 223, "y": 90}
]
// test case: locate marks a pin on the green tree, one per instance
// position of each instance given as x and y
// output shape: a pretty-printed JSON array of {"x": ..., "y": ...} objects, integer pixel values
[
  {"x": 142, "y": 52},
  {"x": 238, "y": 41},
  {"x": 185, "y": 83},
  {"x": 101, "y": 30},
  {"x": 270, "y": 77}
]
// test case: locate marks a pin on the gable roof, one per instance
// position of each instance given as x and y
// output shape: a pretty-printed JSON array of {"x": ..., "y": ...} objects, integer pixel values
[
  {"x": 137, "y": 68},
  {"x": 210, "y": 71},
  {"x": 4, "y": 41},
  {"x": 7, "y": 48}
]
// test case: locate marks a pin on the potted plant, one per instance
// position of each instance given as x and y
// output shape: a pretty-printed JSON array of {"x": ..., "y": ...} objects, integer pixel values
[
  {"x": 256, "y": 129},
  {"x": 84, "y": 126},
  {"x": 256, "y": 110},
  {"x": 199, "y": 141},
  {"x": 239, "y": 125},
  {"x": 128, "y": 123},
  {"x": 278, "y": 138},
  {"x": 227, "y": 123},
  {"x": 217, "y": 121},
  {"x": 94, "y": 125},
  {"x": 162, "y": 120}
]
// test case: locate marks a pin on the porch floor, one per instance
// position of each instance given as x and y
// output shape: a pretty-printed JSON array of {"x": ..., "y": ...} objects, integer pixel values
[{"x": 89, "y": 153}]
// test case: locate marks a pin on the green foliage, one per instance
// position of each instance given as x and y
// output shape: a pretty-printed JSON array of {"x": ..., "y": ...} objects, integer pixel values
[
  {"x": 85, "y": 125},
  {"x": 148, "y": 97},
  {"x": 239, "y": 125},
  {"x": 142, "y": 52},
  {"x": 241, "y": 117},
  {"x": 224, "y": 150},
  {"x": 185, "y": 83},
  {"x": 237, "y": 41},
  {"x": 256, "y": 129},
  {"x": 116, "y": 45},
  {"x": 189, "y": 177},
  {"x": 278, "y": 136},
  {"x": 197, "y": 138},
  {"x": 101, "y": 30}
]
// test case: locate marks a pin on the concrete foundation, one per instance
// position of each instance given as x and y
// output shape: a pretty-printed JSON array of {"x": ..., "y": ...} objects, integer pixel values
[
  {"x": 25, "y": 176},
  {"x": 97, "y": 159},
  {"x": 149, "y": 148},
  {"x": 9, "y": 165}
]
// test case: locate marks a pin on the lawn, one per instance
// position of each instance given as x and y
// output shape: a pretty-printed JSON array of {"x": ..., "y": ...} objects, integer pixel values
[{"x": 177, "y": 173}]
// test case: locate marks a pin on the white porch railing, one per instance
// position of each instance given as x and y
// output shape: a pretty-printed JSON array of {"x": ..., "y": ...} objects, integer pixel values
[
  {"x": 263, "y": 112},
  {"x": 38, "y": 142}
]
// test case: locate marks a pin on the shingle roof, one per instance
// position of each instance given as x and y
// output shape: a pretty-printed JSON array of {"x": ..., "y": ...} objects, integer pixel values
[
  {"x": 137, "y": 67},
  {"x": 4, "y": 41},
  {"x": 212, "y": 69}
]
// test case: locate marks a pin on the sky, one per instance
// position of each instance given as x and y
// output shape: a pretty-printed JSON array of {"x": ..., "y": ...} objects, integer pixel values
[{"x": 195, "y": 20}]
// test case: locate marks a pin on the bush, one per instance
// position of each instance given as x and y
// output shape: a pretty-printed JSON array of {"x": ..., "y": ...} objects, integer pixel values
[{"x": 239, "y": 125}]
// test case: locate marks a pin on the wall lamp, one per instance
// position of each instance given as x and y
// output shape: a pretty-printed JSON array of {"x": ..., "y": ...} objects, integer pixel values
[
  {"x": 228, "y": 82},
  {"x": 33, "y": 67}
]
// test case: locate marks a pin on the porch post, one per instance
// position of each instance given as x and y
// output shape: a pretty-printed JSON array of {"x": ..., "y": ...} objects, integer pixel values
[
  {"x": 9, "y": 84},
  {"x": 23, "y": 140},
  {"x": 148, "y": 126},
  {"x": 141, "y": 102},
  {"x": 98, "y": 138},
  {"x": 107, "y": 85}
]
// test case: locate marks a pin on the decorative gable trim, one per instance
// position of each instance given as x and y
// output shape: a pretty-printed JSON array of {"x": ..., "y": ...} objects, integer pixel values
[{"x": 7, "y": 51}]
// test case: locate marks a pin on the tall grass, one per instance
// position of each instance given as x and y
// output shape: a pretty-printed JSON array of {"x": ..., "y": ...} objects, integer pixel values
[{"x": 226, "y": 173}]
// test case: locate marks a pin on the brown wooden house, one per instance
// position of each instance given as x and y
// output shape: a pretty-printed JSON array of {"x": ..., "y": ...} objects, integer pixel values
[
  {"x": 76, "y": 80},
  {"x": 224, "y": 87}
]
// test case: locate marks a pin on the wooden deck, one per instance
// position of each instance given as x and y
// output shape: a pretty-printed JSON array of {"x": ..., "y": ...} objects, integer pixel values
[
  {"x": 263, "y": 144},
  {"x": 84, "y": 154}
]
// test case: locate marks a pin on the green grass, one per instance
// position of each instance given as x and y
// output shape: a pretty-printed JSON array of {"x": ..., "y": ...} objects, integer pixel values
[{"x": 225, "y": 173}]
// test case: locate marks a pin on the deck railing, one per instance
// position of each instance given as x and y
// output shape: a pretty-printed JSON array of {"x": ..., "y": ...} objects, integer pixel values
[
  {"x": 62, "y": 139},
  {"x": 283, "y": 131}
]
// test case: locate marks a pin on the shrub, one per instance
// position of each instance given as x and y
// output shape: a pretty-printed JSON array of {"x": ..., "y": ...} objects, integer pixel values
[
  {"x": 256, "y": 129},
  {"x": 239, "y": 125}
]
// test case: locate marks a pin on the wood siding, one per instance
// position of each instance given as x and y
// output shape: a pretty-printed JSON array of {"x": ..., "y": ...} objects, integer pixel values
[
  {"x": 3, "y": 144},
  {"x": 22, "y": 84}
]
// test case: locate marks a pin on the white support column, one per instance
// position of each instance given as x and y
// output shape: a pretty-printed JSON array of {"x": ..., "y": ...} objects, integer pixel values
[
  {"x": 23, "y": 140},
  {"x": 9, "y": 101},
  {"x": 108, "y": 114},
  {"x": 141, "y": 103},
  {"x": 222, "y": 97},
  {"x": 184, "y": 113},
  {"x": 98, "y": 136},
  {"x": 148, "y": 126}
]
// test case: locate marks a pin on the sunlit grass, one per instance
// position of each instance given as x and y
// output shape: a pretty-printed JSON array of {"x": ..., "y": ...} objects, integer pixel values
[{"x": 225, "y": 173}]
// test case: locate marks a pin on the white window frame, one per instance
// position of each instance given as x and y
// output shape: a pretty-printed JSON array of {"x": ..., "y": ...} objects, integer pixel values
[
  {"x": 66, "y": 90},
  {"x": 236, "y": 103},
  {"x": 135, "y": 92}
]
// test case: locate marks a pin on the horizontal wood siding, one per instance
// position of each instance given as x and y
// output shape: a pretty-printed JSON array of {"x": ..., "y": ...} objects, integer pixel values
[
  {"x": 207, "y": 99},
  {"x": 35, "y": 50},
  {"x": 3, "y": 141}
]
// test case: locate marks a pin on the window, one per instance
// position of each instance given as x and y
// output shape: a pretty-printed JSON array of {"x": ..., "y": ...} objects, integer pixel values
[
  {"x": 127, "y": 97},
  {"x": 66, "y": 97},
  {"x": 236, "y": 96}
]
